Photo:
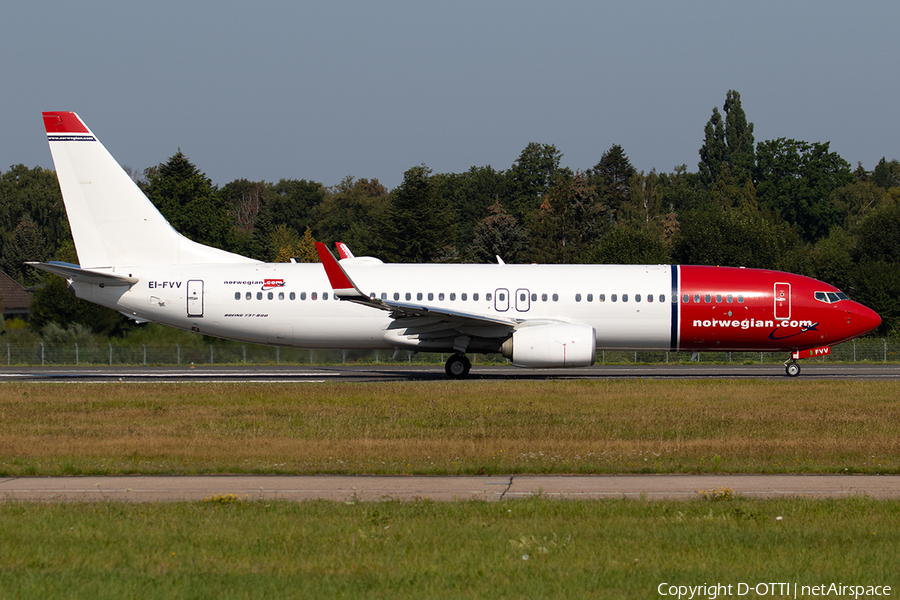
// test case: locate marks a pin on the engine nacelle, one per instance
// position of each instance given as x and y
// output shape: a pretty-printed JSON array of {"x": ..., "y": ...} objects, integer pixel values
[{"x": 552, "y": 345}]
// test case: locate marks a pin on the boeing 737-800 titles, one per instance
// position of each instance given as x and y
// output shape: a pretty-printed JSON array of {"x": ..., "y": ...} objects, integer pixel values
[{"x": 133, "y": 261}]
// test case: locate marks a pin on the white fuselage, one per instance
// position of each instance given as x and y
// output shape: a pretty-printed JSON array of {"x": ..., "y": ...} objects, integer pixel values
[{"x": 293, "y": 304}]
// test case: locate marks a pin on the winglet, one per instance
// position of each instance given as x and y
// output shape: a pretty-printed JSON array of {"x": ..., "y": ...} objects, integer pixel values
[
  {"x": 343, "y": 250},
  {"x": 341, "y": 283}
]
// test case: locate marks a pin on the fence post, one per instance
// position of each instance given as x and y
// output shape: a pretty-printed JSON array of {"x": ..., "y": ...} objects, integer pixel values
[
  {"x": 110, "y": 354},
  {"x": 884, "y": 341},
  {"x": 42, "y": 354},
  {"x": 76, "y": 353},
  {"x": 244, "y": 350},
  {"x": 8, "y": 355},
  {"x": 277, "y": 355},
  {"x": 145, "y": 353},
  {"x": 178, "y": 353},
  {"x": 854, "y": 350}
]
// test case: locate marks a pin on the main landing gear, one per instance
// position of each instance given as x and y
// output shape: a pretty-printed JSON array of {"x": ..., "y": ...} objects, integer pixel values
[
  {"x": 457, "y": 366},
  {"x": 791, "y": 367}
]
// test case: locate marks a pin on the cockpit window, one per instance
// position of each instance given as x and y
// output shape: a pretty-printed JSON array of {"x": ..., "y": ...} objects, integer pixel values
[{"x": 831, "y": 297}]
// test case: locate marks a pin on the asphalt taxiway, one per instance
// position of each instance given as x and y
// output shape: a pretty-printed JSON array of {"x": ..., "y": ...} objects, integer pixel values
[
  {"x": 394, "y": 372},
  {"x": 352, "y": 488}
]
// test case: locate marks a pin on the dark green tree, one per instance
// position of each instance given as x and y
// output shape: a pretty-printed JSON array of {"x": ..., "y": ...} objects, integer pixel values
[
  {"x": 418, "y": 222},
  {"x": 32, "y": 195},
  {"x": 471, "y": 196},
  {"x": 25, "y": 243},
  {"x": 631, "y": 244},
  {"x": 351, "y": 213},
  {"x": 712, "y": 152},
  {"x": 291, "y": 201},
  {"x": 245, "y": 201},
  {"x": 878, "y": 235},
  {"x": 733, "y": 238},
  {"x": 887, "y": 173},
  {"x": 190, "y": 202},
  {"x": 832, "y": 259},
  {"x": 498, "y": 235},
  {"x": 568, "y": 221},
  {"x": 739, "y": 152},
  {"x": 645, "y": 203},
  {"x": 611, "y": 177},
  {"x": 877, "y": 285},
  {"x": 796, "y": 179},
  {"x": 680, "y": 189},
  {"x": 727, "y": 143},
  {"x": 856, "y": 200},
  {"x": 534, "y": 174}
]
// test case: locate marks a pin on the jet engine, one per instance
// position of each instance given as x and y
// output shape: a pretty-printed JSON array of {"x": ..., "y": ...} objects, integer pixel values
[{"x": 551, "y": 345}]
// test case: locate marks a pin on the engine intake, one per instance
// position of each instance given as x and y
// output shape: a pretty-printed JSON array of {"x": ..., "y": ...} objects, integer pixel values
[{"x": 552, "y": 345}]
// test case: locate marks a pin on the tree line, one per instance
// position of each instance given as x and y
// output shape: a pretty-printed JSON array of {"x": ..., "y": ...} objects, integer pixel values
[{"x": 781, "y": 204}]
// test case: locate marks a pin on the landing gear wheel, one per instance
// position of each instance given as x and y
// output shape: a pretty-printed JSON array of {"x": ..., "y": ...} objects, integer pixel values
[
  {"x": 457, "y": 366},
  {"x": 792, "y": 369}
]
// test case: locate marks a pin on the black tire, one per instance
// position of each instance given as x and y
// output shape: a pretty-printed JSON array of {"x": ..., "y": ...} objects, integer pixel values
[
  {"x": 457, "y": 366},
  {"x": 792, "y": 369}
]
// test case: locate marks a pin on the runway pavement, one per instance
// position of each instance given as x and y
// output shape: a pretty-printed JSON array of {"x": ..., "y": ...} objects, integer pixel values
[
  {"x": 365, "y": 373},
  {"x": 349, "y": 488}
]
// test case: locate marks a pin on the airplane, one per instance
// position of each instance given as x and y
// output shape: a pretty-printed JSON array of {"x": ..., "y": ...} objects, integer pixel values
[{"x": 536, "y": 315}]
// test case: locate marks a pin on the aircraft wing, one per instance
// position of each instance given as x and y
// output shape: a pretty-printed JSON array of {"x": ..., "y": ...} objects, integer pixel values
[
  {"x": 76, "y": 273},
  {"x": 416, "y": 315}
]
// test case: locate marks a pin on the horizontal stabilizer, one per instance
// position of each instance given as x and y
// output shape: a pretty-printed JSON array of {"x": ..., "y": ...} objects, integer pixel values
[{"x": 76, "y": 273}]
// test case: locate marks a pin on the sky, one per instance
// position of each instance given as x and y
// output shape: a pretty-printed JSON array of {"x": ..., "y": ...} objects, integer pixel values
[{"x": 325, "y": 90}]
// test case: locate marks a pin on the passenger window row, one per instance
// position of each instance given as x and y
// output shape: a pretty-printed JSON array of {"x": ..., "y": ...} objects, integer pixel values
[
  {"x": 708, "y": 298},
  {"x": 281, "y": 296},
  {"x": 453, "y": 296},
  {"x": 464, "y": 297}
]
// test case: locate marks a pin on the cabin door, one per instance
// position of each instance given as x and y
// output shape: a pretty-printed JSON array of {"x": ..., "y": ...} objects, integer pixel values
[
  {"x": 782, "y": 301},
  {"x": 195, "y": 298}
]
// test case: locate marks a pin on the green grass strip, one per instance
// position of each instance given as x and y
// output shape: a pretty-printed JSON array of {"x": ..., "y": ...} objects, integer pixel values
[{"x": 537, "y": 548}]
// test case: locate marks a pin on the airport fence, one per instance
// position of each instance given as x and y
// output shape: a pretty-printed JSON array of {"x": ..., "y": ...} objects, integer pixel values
[{"x": 229, "y": 353}]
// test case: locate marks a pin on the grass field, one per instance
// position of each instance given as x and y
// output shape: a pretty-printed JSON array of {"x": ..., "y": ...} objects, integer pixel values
[
  {"x": 534, "y": 548},
  {"x": 229, "y": 548},
  {"x": 636, "y": 426}
]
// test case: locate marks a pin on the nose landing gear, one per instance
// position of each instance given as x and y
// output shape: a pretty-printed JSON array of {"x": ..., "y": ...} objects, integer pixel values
[
  {"x": 457, "y": 366},
  {"x": 791, "y": 368}
]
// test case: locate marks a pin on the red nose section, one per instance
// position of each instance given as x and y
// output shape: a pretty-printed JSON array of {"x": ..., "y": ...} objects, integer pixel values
[{"x": 866, "y": 319}]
